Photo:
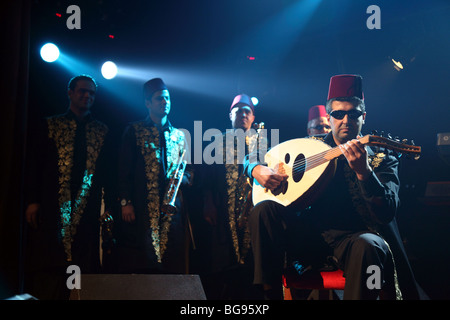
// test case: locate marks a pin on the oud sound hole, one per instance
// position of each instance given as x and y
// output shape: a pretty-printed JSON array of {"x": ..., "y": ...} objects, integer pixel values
[
  {"x": 287, "y": 158},
  {"x": 298, "y": 169}
]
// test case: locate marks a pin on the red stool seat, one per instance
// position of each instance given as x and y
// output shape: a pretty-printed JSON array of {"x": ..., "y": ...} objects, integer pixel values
[{"x": 313, "y": 280}]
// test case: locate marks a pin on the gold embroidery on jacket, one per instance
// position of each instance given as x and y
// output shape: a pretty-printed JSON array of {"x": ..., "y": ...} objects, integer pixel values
[
  {"x": 238, "y": 197},
  {"x": 147, "y": 138},
  {"x": 62, "y": 131}
]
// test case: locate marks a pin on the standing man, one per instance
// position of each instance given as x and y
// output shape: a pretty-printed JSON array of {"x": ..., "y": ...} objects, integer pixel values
[
  {"x": 352, "y": 222},
  {"x": 148, "y": 240},
  {"x": 64, "y": 191},
  {"x": 227, "y": 203},
  {"x": 318, "y": 121}
]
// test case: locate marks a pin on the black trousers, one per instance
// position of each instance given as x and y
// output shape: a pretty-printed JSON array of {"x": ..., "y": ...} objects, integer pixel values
[{"x": 364, "y": 256}]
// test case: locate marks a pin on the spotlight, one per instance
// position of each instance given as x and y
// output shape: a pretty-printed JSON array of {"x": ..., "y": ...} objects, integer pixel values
[
  {"x": 255, "y": 101},
  {"x": 49, "y": 52},
  {"x": 109, "y": 70},
  {"x": 397, "y": 65}
]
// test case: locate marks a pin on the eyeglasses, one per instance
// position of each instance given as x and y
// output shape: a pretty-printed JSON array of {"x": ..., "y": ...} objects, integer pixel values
[
  {"x": 352, "y": 114},
  {"x": 320, "y": 127}
]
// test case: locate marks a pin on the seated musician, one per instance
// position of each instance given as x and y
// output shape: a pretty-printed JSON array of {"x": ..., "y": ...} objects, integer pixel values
[{"x": 352, "y": 222}]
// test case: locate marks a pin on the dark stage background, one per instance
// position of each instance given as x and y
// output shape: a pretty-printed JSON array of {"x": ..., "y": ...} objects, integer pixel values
[{"x": 281, "y": 51}]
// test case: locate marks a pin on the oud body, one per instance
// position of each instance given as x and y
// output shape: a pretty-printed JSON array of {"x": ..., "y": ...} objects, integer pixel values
[
  {"x": 307, "y": 174},
  {"x": 309, "y": 165}
]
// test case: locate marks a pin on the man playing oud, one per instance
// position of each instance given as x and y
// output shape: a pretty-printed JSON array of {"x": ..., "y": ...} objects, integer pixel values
[{"x": 351, "y": 224}]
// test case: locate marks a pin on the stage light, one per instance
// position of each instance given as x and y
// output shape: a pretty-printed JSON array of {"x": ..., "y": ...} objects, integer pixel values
[
  {"x": 49, "y": 52},
  {"x": 255, "y": 101},
  {"x": 397, "y": 65},
  {"x": 109, "y": 70}
]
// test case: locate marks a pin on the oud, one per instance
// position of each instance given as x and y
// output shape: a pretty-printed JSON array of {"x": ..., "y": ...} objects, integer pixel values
[{"x": 309, "y": 166}]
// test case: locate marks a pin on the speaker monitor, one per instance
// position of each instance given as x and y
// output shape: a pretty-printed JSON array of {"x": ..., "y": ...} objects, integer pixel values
[
  {"x": 139, "y": 287},
  {"x": 24, "y": 296}
]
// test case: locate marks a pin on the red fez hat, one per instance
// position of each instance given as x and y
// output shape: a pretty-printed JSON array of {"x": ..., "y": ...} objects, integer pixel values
[
  {"x": 345, "y": 86},
  {"x": 153, "y": 85},
  {"x": 242, "y": 99},
  {"x": 317, "y": 112}
]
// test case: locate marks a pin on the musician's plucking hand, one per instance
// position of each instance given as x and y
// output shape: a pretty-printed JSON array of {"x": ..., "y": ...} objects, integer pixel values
[{"x": 268, "y": 177}]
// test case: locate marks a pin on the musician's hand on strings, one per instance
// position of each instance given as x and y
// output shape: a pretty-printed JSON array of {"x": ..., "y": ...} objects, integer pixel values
[
  {"x": 128, "y": 213},
  {"x": 268, "y": 177},
  {"x": 357, "y": 158}
]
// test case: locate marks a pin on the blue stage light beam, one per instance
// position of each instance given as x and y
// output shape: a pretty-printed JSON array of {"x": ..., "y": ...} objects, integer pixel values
[
  {"x": 196, "y": 79},
  {"x": 49, "y": 52},
  {"x": 76, "y": 66}
]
